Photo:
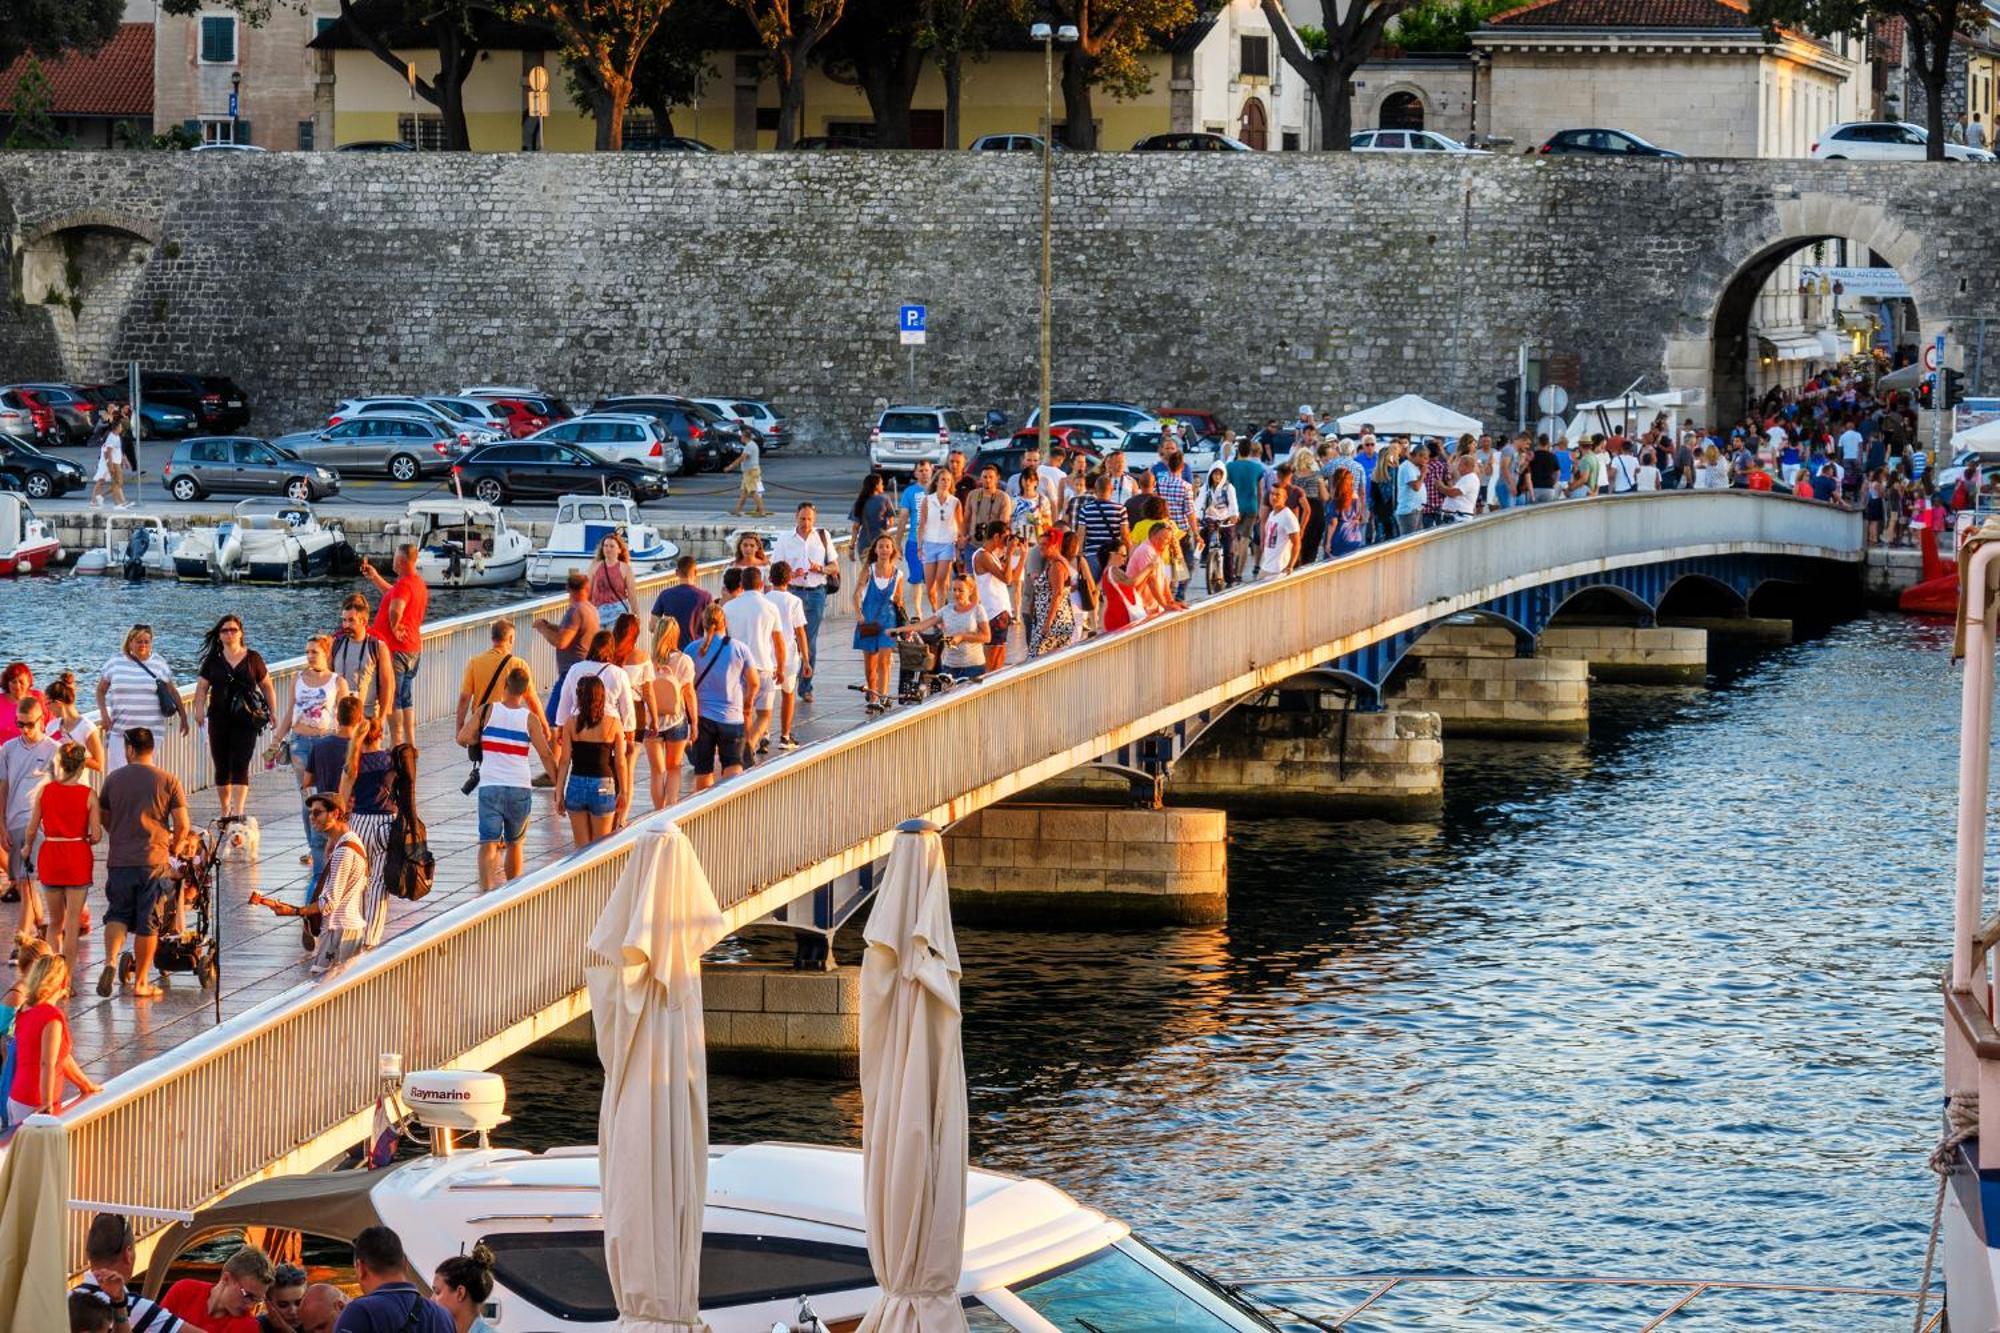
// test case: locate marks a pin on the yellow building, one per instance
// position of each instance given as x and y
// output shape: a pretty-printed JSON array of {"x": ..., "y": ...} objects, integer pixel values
[{"x": 1220, "y": 74}]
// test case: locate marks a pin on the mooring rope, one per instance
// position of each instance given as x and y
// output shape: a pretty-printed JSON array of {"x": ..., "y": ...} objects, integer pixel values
[{"x": 1961, "y": 1120}]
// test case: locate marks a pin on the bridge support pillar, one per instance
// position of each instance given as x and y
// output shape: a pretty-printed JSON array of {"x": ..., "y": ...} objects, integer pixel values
[
  {"x": 1629, "y": 655},
  {"x": 1476, "y": 691},
  {"x": 1308, "y": 754},
  {"x": 768, "y": 1019},
  {"x": 1056, "y": 866},
  {"x": 1754, "y": 630}
]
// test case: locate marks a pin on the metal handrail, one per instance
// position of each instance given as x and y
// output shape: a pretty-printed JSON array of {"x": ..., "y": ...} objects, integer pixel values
[{"x": 490, "y": 975}]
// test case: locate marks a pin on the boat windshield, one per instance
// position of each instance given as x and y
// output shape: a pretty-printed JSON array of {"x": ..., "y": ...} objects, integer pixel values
[{"x": 1130, "y": 1285}]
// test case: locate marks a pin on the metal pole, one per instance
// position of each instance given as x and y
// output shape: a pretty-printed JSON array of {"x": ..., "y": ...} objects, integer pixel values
[
  {"x": 132, "y": 426},
  {"x": 1521, "y": 388},
  {"x": 1048, "y": 192}
]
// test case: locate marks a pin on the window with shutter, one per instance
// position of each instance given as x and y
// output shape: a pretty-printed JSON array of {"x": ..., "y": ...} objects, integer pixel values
[
  {"x": 1256, "y": 58},
  {"x": 218, "y": 39}
]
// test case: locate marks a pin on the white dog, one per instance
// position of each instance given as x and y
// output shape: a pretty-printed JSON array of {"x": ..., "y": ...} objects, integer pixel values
[{"x": 240, "y": 841}]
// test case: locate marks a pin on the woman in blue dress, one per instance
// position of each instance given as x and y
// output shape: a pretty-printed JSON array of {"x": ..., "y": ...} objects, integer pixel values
[
  {"x": 1347, "y": 520},
  {"x": 878, "y": 602}
]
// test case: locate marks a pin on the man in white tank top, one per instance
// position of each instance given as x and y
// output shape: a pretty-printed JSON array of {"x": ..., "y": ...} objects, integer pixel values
[{"x": 504, "y": 732}]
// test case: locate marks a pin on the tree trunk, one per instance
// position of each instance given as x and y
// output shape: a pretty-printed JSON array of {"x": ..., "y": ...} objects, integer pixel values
[
  {"x": 600, "y": 111},
  {"x": 1080, "y": 132},
  {"x": 1935, "y": 72},
  {"x": 791, "y": 100},
  {"x": 619, "y": 95},
  {"x": 952, "y": 67},
  {"x": 454, "y": 65},
  {"x": 1336, "y": 110},
  {"x": 889, "y": 82}
]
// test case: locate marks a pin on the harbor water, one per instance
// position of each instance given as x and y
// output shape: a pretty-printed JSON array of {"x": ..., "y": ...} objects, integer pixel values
[{"x": 1664, "y": 1002}]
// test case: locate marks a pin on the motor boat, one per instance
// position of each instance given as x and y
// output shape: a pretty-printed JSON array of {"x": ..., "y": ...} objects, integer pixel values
[
  {"x": 28, "y": 545},
  {"x": 138, "y": 546},
  {"x": 209, "y": 553},
  {"x": 466, "y": 543},
  {"x": 283, "y": 541},
  {"x": 582, "y": 523},
  {"x": 784, "y": 1241}
]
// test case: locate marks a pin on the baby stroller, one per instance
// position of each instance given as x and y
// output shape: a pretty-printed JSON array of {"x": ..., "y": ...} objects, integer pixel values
[
  {"x": 917, "y": 673},
  {"x": 183, "y": 948}
]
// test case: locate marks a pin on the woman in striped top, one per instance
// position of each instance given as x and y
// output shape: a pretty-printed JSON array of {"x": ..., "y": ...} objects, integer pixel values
[{"x": 128, "y": 693}]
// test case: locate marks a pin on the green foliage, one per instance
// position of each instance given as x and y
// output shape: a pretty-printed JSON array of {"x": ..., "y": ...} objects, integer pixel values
[
  {"x": 1115, "y": 34},
  {"x": 1443, "y": 25},
  {"x": 133, "y": 135},
  {"x": 33, "y": 110},
  {"x": 51, "y": 27},
  {"x": 1313, "y": 39}
]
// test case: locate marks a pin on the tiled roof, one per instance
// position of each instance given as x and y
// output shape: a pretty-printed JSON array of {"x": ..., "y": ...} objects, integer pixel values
[
  {"x": 115, "y": 81},
  {"x": 1700, "y": 14}
]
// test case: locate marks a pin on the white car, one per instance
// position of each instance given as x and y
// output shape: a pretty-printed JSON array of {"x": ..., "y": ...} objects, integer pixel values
[
  {"x": 908, "y": 434},
  {"x": 1104, "y": 436},
  {"x": 478, "y": 412},
  {"x": 1142, "y": 450},
  {"x": 1886, "y": 141},
  {"x": 1123, "y": 415},
  {"x": 1410, "y": 141},
  {"x": 758, "y": 415},
  {"x": 620, "y": 437}
]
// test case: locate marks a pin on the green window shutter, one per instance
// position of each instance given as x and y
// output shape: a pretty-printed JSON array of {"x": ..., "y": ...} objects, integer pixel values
[
  {"x": 243, "y": 132},
  {"x": 218, "y": 39},
  {"x": 192, "y": 127}
]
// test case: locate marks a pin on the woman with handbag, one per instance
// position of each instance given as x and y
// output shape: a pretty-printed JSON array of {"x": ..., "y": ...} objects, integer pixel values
[
  {"x": 613, "y": 586},
  {"x": 878, "y": 606},
  {"x": 235, "y": 700},
  {"x": 136, "y": 689}
]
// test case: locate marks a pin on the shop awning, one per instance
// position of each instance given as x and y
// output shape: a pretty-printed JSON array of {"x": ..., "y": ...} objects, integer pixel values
[{"x": 1798, "y": 349}]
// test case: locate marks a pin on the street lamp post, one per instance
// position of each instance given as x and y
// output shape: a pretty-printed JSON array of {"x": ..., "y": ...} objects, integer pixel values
[{"x": 1048, "y": 36}]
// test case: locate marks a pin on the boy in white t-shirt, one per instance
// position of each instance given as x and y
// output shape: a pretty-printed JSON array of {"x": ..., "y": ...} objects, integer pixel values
[
  {"x": 1281, "y": 533},
  {"x": 792, "y": 622}
]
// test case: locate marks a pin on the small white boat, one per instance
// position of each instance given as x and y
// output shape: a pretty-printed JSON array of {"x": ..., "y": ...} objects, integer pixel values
[
  {"x": 466, "y": 544},
  {"x": 209, "y": 553},
  {"x": 135, "y": 545},
  {"x": 582, "y": 523},
  {"x": 284, "y": 542},
  {"x": 28, "y": 544}
]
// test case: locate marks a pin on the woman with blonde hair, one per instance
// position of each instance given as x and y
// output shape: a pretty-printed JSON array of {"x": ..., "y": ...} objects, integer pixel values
[
  {"x": 43, "y": 1059},
  {"x": 675, "y": 713},
  {"x": 1711, "y": 473},
  {"x": 613, "y": 587}
]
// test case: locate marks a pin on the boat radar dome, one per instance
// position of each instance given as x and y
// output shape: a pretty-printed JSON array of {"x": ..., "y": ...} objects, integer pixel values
[{"x": 449, "y": 1102}]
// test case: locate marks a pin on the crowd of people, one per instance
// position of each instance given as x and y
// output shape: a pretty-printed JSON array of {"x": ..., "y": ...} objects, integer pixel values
[{"x": 252, "y": 1294}]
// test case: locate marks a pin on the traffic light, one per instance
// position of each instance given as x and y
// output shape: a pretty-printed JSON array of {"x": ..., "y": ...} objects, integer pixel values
[
  {"x": 1926, "y": 391},
  {"x": 1954, "y": 388},
  {"x": 1507, "y": 402}
]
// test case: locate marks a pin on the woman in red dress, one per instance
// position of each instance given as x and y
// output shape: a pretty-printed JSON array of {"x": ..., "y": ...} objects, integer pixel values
[{"x": 65, "y": 816}]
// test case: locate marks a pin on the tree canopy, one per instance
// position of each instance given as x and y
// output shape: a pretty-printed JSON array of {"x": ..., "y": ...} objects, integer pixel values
[{"x": 51, "y": 27}]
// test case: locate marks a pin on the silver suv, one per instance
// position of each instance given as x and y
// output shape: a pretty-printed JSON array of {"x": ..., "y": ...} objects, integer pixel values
[
  {"x": 622, "y": 437},
  {"x": 906, "y": 435}
]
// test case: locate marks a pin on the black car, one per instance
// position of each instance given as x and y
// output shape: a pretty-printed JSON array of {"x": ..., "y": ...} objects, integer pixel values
[
  {"x": 218, "y": 406},
  {"x": 708, "y": 443},
  {"x": 1603, "y": 143},
  {"x": 529, "y": 469},
  {"x": 41, "y": 476}
]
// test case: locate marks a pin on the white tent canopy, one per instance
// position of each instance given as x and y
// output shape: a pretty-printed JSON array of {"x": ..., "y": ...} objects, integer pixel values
[
  {"x": 1637, "y": 410},
  {"x": 1979, "y": 437},
  {"x": 1411, "y": 414}
]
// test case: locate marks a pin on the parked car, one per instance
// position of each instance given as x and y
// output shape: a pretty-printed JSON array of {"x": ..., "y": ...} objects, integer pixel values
[
  {"x": 1104, "y": 436},
  {"x": 74, "y": 407},
  {"x": 483, "y": 413},
  {"x": 707, "y": 441},
  {"x": 226, "y": 149},
  {"x": 1204, "y": 424},
  {"x": 42, "y": 476},
  {"x": 1065, "y": 442},
  {"x": 165, "y": 421},
  {"x": 244, "y": 465},
  {"x": 1011, "y": 143},
  {"x": 1410, "y": 141},
  {"x": 530, "y": 400},
  {"x": 405, "y": 448},
  {"x": 906, "y": 434},
  {"x": 376, "y": 146},
  {"x": 1886, "y": 141},
  {"x": 622, "y": 437},
  {"x": 772, "y": 432},
  {"x": 1610, "y": 143},
  {"x": 212, "y": 403},
  {"x": 468, "y": 433},
  {"x": 521, "y": 419},
  {"x": 824, "y": 142},
  {"x": 1121, "y": 414},
  {"x": 523, "y": 469},
  {"x": 666, "y": 143},
  {"x": 1191, "y": 142},
  {"x": 24, "y": 416}
]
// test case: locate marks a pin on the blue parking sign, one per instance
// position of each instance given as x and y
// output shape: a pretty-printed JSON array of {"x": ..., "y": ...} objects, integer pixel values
[{"x": 912, "y": 319}]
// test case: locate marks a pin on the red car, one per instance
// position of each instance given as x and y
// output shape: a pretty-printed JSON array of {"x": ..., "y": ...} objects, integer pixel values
[
  {"x": 521, "y": 419},
  {"x": 1064, "y": 441}
]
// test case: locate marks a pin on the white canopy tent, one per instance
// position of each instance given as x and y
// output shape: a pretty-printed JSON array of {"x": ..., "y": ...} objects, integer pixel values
[
  {"x": 1635, "y": 413},
  {"x": 1986, "y": 437},
  {"x": 1410, "y": 414}
]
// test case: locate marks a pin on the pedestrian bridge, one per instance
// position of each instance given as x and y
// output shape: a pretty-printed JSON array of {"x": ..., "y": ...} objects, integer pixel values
[{"x": 290, "y": 1083}]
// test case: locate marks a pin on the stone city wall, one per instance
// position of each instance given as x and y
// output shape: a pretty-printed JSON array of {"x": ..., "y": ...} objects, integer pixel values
[{"x": 1243, "y": 283}]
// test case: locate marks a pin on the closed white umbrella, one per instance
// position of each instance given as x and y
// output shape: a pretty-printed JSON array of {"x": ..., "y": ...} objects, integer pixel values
[
  {"x": 644, "y": 976},
  {"x": 34, "y": 1226},
  {"x": 913, "y": 1093}
]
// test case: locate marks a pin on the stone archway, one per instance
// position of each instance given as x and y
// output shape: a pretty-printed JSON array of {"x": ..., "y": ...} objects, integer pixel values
[
  {"x": 1255, "y": 124},
  {"x": 1706, "y": 352},
  {"x": 81, "y": 270},
  {"x": 1400, "y": 109}
]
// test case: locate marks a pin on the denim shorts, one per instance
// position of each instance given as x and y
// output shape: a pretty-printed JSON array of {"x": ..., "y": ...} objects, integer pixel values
[
  {"x": 503, "y": 814},
  {"x": 592, "y": 796},
  {"x": 405, "y": 665},
  {"x": 134, "y": 897},
  {"x": 938, "y": 553},
  {"x": 677, "y": 732},
  {"x": 717, "y": 743}
]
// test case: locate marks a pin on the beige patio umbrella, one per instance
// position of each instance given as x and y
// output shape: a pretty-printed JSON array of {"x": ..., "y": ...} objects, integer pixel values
[
  {"x": 34, "y": 1226},
  {"x": 913, "y": 1093},
  {"x": 644, "y": 976}
]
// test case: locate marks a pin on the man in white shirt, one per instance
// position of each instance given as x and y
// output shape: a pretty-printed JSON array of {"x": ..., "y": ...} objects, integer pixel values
[
  {"x": 811, "y": 555},
  {"x": 1461, "y": 497},
  {"x": 792, "y": 615},
  {"x": 1850, "y": 444},
  {"x": 1123, "y": 487},
  {"x": 756, "y": 623}
]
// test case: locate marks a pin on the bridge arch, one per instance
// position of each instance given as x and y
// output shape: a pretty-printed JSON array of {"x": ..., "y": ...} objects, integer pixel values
[
  {"x": 1704, "y": 595},
  {"x": 1709, "y": 351},
  {"x": 82, "y": 269}
]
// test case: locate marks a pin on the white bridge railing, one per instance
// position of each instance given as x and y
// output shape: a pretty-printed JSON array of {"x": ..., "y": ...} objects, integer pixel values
[{"x": 495, "y": 974}]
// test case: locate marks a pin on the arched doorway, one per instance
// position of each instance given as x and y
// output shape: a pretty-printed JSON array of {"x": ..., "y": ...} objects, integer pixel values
[
  {"x": 1401, "y": 111},
  {"x": 82, "y": 270},
  {"x": 1256, "y": 125}
]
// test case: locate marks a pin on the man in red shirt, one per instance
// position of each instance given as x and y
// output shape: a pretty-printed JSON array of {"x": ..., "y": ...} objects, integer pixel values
[
  {"x": 225, "y": 1305},
  {"x": 1760, "y": 477},
  {"x": 399, "y": 623}
]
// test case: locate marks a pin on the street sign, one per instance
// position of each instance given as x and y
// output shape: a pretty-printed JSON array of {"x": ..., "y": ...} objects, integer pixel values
[
  {"x": 1551, "y": 426},
  {"x": 1553, "y": 399},
  {"x": 910, "y": 322},
  {"x": 538, "y": 79},
  {"x": 1934, "y": 355},
  {"x": 232, "y": 104},
  {"x": 913, "y": 337}
]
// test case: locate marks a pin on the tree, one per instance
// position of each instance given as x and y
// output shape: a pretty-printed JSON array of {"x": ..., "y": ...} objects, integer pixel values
[
  {"x": 955, "y": 31},
  {"x": 51, "y": 27},
  {"x": 1932, "y": 26},
  {"x": 604, "y": 41},
  {"x": 1350, "y": 37},
  {"x": 1111, "y": 37},
  {"x": 1442, "y": 26},
  {"x": 877, "y": 45},
  {"x": 789, "y": 30},
  {"x": 33, "y": 111}
]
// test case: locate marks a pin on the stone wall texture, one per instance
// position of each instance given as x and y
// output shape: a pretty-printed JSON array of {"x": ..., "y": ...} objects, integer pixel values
[
  {"x": 1047, "y": 866},
  {"x": 1244, "y": 283}
]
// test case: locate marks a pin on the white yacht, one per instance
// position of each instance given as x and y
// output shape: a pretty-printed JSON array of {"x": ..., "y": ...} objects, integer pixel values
[
  {"x": 783, "y": 1242},
  {"x": 283, "y": 541},
  {"x": 209, "y": 552},
  {"x": 136, "y": 545},
  {"x": 582, "y": 523},
  {"x": 466, "y": 543},
  {"x": 28, "y": 545}
]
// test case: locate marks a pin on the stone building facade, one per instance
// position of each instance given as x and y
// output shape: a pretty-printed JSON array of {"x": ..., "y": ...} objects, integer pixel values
[{"x": 199, "y": 58}]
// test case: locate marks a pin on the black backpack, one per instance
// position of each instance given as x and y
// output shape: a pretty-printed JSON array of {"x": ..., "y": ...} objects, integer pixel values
[{"x": 408, "y": 868}]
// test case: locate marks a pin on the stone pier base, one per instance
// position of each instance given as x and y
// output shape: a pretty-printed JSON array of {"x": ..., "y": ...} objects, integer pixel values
[
  {"x": 765, "y": 1019},
  {"x": 1476, "y": 692},
  {"x": 1630, "y": 655},
  {"x": 1746, "y": 629},
  {"x": 1308, "y": 755},
  {"x": 1041, "y": 866}
]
